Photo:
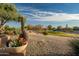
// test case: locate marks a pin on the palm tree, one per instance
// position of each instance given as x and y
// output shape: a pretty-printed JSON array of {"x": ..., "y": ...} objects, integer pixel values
[{"x": 23, "y": 32}]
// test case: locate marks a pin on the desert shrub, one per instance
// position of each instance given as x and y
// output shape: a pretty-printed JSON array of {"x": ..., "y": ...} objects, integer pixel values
[
  {"x": 75, "y": 46},
  {"x": 45, "y": 33}
]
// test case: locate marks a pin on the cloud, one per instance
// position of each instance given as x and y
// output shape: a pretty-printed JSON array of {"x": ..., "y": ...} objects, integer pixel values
[
  {"x": 41, "y": 15},
  {"x": 60, "y": 17}
]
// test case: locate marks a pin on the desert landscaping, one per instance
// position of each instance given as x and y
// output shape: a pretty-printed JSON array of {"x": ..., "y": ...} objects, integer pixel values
[
  {"x": 49, "y": 45},
  {"x": 35, "y": 32}
]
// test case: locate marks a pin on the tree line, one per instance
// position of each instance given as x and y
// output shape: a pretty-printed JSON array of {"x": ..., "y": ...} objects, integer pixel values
[{"x": 50, "y": 27}]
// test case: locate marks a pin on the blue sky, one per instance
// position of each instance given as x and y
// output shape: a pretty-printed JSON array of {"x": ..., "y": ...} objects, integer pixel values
[{"x": 55, "y": 14}]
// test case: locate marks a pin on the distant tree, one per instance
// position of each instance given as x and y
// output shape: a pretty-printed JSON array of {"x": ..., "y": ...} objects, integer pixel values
[
  {"x": 29, "y": 27},
  {"x": 76, "y": 28},
  {"x": 67, "y": 29},
  {"x": 49, "y": 27},
  {"x": 59, "y": 28},
  {"x": 38, "y": 27},
  {"x": 54, "y": 29}
]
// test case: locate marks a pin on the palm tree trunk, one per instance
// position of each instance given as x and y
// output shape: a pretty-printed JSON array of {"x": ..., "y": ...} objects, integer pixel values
[
  {"x": 22, "y": 25},
  {"x": 23, "y": 31}
]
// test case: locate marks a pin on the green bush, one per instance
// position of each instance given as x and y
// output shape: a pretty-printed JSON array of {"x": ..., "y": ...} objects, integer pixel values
[
  {"x": 45, "y": 33},
  {"x": 75, "y": 46}
]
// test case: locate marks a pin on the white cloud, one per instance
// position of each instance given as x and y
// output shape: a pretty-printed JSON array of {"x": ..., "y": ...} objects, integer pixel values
[
  {"x": 60, "y": 17},
  {"x": 40, "y": 15}
]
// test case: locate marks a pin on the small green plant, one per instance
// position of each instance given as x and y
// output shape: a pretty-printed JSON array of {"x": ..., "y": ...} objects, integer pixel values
[{"x": 15, "y": 43}]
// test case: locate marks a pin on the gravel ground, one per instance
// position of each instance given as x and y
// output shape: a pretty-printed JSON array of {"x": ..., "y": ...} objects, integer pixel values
[
  {"x": 41, "y": 45},
  {"x": 48, "y": 45}
]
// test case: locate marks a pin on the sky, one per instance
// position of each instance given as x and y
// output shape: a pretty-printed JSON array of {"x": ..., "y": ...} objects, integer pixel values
[{"x": 55, "y": 14}]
